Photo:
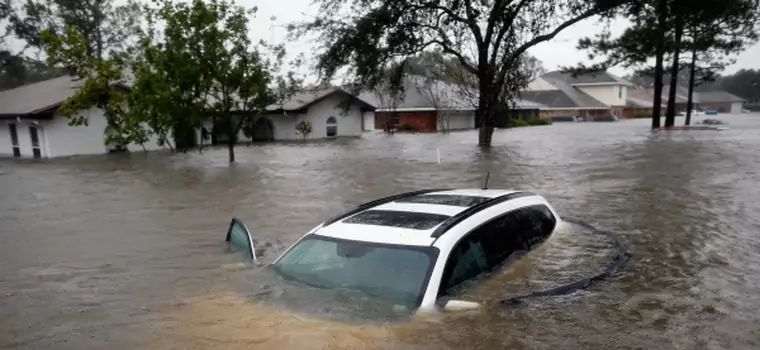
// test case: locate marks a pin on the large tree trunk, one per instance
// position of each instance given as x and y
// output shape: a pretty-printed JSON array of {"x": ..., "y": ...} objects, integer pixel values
[
  {"x": 231, "y": 149},
  {"x": 670, "y": 114},
  {"x": 485, "y": 114},
  {"x": 662, "y": 16},
  {"x": 692, "y": 71}
]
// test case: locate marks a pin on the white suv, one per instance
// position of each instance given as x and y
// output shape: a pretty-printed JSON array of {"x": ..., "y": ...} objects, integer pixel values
[{"x": 413, "y": 248}]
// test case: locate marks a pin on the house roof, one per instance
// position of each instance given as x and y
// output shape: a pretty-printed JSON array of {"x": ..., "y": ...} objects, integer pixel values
[
  {"x": 644, "y": 97},
  {"x": 718, "y": 96},
  {"x": 420, "y": 93},
  {"x": 598, "y": 78},
  {"x": 303, "y": 99},
  {"x": 37, "y": 97},
  {"x": 564, "y": 97}
]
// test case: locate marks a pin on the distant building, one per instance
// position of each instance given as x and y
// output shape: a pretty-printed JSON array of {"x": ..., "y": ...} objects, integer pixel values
[
  {"x": 589, "y": 95},
  {"x": 430, "y": 106},
  {"x": 640, "y": 100}
]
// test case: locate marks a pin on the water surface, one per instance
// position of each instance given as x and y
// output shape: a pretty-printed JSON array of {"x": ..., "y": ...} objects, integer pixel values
[{"x": 127, "y": 251}]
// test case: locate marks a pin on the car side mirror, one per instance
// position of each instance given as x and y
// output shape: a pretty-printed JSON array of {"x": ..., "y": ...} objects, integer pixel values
[{"x": 457, "y": 305}]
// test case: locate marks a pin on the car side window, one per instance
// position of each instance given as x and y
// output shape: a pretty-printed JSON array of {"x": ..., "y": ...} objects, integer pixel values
[
  {"x": 489, "y": 245},
  {"x": 534, "y": 224}
]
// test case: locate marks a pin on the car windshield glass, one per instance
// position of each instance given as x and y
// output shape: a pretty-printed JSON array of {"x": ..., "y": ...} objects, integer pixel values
[{"x": 393, "y": 272}]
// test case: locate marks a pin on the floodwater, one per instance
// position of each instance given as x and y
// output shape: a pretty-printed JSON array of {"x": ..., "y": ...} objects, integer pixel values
[{"x": 127, "y": 251}]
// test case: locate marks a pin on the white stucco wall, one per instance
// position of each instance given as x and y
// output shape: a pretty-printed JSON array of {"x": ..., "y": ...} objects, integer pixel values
[
  {"x": 349, "y": 122},
  {"x": 369, "y": 121},
  {"x": 457, "y": 120},
  {"x": 737, "y": 107},
  {"x": 540, "y": 84},
  {"x": 607, "y": 94}
]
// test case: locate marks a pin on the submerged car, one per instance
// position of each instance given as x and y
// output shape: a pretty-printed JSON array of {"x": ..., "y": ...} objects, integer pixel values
[{"x": 415, "y": 250}]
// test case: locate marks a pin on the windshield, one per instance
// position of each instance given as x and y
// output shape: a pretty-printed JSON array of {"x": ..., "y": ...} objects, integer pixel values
[{"x": 396, "y": 273}]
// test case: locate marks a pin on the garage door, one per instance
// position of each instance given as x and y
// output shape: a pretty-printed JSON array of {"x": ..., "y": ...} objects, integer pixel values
[{"x": 737, "y": 107}]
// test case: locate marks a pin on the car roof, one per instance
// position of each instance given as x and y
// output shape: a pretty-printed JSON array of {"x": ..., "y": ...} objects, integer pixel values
[{"x": 407, "y": 219}]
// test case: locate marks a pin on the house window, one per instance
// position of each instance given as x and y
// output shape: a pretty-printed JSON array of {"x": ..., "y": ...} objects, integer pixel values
[
  {"x": 33, "y": 133},
  {"x": 14, "y": 140},
  {"x": 332, "y": 127},
  {"x": 620, "y": 92}
]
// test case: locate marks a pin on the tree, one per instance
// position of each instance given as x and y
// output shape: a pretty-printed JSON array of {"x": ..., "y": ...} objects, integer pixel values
[
  {"x": 715, "y": 30},
  {"x": 105, "y": 27},
  {"x": 488, "y": 38},
  {"x": 206, "y": 67},
  {"x": 435, "y": 92},
  {"x": 303, "y": 128},
  {"x": 662, "y": 27},
  {"x": 103, "y": 87}
]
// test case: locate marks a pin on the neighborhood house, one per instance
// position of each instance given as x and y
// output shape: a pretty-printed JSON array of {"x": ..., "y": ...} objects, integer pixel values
[
  {"x": 31, "y": 128},
  {"x": 428, "y": 106},
  {"x": 588, "y": 95}
]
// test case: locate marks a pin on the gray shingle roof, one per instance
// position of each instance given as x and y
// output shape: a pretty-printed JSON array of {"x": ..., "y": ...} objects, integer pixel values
[
  {"x": 565, "y": 96},
  {"x": 446, "y": 96},
  {"x": 718, "y": 96},
  {"x": 590, "y": 78},
  {"x": 39, "y": 96}
]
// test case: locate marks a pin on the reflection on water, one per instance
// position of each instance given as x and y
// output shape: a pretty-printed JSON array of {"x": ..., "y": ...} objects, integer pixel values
[{"x": 127, "y": 251}]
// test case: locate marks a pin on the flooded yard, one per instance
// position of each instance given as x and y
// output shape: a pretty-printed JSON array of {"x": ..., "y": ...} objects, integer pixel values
[{"x": 128, "y": 252}]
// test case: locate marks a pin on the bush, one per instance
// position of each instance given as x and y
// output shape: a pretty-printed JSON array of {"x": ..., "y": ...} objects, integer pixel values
[
  {"x": 642, "y": 115},
  {"x": 407, "y": 127},
  {"x": 303, "y": 128},
  {"x": 538, "y": 121}
]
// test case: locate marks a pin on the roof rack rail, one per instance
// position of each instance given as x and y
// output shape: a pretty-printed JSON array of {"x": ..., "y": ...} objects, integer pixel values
[
  {"x": 377, "y": 202},
  {"x": 461, "y": 216}
]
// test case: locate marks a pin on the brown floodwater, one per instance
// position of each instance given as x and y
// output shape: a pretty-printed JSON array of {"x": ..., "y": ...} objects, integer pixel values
[{"x": 128, "y": 252}]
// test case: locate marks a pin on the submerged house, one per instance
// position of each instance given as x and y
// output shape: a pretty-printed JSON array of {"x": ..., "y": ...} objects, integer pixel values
[
  {"x": 30, "y": 127},
  {"x": 428, "y": 106},
  {"x": 588, "y": 95},
  {"x": 332, "y": 112}
]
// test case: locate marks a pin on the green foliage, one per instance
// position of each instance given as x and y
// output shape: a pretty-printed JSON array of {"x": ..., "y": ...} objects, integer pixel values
[
  {"x": 303, "y": 128},
  {"x": 709, "y": 30},
  {"x": 107, "y": 28},
  {"x": 207, "y": 67},
  {"x": 488, "y": 39},
  {"x": 102, "y": 87}
]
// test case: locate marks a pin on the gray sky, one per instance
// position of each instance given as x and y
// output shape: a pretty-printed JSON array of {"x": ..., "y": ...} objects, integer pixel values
[{"x": 559, "y": 52}]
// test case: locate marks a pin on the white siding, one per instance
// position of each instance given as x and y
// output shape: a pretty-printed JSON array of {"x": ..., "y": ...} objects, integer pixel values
[
  {"x": 369, "y": 121},
  {"x": 6, "y": 148},
  {"x": 349, "y": 122},
  {"x": 737, "y": 107},
  {"x": 608, "y": 94},
  {"x": 539, "y": 84},
  {"x": 65, "y": 140},
  {"x": 457, "y": 120},
  {"x": 58, "y": 139}
]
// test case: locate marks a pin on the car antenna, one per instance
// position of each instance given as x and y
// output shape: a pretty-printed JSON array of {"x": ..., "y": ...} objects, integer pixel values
[{"x": 485, "y": 185}]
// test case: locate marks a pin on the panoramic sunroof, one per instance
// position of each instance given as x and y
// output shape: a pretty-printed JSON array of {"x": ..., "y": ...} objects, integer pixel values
[
  {"x": 401, "y": 219},
  {"x": 443, "y": 199}
]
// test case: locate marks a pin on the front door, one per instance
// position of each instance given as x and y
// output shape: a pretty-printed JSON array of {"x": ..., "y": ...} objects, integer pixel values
[
  {"x": 14, "y": 140},
  {"x": 34, "y": 135}
]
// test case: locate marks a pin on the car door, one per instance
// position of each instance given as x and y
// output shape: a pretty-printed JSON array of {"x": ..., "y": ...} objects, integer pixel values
[
  {"x": 478, "y": 252},
  {"x": 239, "y": 238}
]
